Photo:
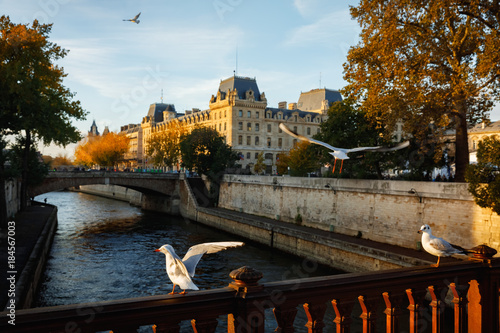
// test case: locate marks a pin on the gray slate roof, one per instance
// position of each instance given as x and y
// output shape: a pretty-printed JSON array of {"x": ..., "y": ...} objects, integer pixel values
[
  {"x": 241, "y": 84},
  {"x": 312, "y": 100},
  {"x": 156, "y": 111}
]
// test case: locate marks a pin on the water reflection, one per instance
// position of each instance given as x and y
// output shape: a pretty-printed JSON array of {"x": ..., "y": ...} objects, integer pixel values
[{"x": 104, "y": 250}]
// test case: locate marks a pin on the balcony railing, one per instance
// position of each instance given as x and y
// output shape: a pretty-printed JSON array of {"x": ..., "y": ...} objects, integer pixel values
[{"x": 410, "y": 299}]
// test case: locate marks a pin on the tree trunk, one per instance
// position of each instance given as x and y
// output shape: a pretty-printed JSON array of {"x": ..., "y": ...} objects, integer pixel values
[
  {"x": 461, "y": 148},
  {"x": 24, "y": 171}
]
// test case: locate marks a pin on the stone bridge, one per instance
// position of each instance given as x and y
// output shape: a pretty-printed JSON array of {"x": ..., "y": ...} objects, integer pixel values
[{"x": 160, "y": 191}]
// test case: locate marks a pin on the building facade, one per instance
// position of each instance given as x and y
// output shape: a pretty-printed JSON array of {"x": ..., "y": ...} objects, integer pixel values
[
  {"x": 239, "y": 112},
  {"x": 478, "y": 133}
]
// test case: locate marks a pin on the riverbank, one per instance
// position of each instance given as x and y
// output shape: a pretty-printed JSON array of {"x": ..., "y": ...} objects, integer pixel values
[{"x": 31, "y": 233}]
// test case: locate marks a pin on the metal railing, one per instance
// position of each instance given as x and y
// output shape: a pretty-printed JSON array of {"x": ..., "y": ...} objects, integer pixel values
[{"x": 468, "y": 290}]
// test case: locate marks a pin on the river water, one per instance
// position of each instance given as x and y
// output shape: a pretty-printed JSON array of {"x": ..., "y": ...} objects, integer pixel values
[{"x": 104, "y": 250}]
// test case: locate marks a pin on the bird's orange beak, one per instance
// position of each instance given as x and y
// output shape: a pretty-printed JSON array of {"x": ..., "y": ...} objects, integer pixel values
[
  {"x": 419, "y": 232},
  {"x": 157, "y": 250}
]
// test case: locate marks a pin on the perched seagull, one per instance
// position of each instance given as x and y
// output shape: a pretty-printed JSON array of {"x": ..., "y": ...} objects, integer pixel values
[
  {"x": 180, "y": 271},
  {"x": 438, "y": 246},
  {"x": 341, "y": 153},
  {"x": 135, "y": 19}
]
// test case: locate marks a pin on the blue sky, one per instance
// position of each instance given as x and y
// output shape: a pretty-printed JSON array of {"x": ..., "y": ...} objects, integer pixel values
[{"x": 118, "y": 68}]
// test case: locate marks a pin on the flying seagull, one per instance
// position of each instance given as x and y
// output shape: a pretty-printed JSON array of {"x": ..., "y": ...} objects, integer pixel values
[
  {"x": 341, "y": 153},
  {"x": 135, "y": 19},
  {"x": 438, "y": 246},
  {"x": 180, "y": 271}
]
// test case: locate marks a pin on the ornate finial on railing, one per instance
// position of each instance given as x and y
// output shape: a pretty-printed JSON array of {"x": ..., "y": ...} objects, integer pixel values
[
  {"x": 483, "y": 252},
  {"x": 245, "y": 279}
]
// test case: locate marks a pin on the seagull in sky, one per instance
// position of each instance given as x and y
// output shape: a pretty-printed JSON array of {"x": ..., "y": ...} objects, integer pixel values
[
  {"x": 180, "y": 271},
  {"x": 135, "y": 19},
  {"x": 438, "y": 246},
  {"x": 341, "y": 153}
]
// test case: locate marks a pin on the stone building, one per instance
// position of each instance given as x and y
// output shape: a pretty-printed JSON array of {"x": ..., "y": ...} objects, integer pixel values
[
  {"x": 478, "y": 133},
  {"x": 239, "y": 111}
]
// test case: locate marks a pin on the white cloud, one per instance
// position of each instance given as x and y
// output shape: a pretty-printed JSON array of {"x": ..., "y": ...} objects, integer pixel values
[{"x": 329, "y": 29}]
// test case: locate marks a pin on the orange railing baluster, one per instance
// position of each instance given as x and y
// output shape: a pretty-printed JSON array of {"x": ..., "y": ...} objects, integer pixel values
[
  {"x": 392, "y": 311},
  {"x": 437, "y": 306},
  {"x": 343, "y": 310},
  {"x": 416, "y": 299},
  {"x": 460, "y": 308},
  {"x": 315, "y": 314},
  {"x": 369, "y": 308}
]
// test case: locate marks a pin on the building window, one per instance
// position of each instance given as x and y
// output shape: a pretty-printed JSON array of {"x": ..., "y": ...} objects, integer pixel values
[
  {"x": 280, "y": 142},
  {"x": 220, "y": 127},
  {"x": 269, "y": 128},
  {"x": 240, "y": 113},
  {"x": 268, "y": 115},
  {"x": 295, "y": 118},
  {"x": 225, "y": 113},
  {"x": 257, "y": 127},
  {"x": 256, "y": 155},
  {"x": 249, "y": 126},
  {"x": 240, "y": 126},
  {"x": 309, "y": 131},
  {"x": 249, "y": 114},
  {"x": 249, "y": 140},
  {"x": 248, "y": 156},
  {"x": 240, "y": 140},
  {"x": 256, "y": 140},
  {"x": 268, "y": 142},
  {"x": 279, "y": 116},
  {"x": 225, "y": 127},
  {"x": 295, "y": 129},
  {"x": 257, "y": 114},
  {"x": 294, "y": 142}
]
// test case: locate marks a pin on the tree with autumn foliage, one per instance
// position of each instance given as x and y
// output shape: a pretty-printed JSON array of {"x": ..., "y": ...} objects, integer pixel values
[
  {"x": 105, "y": 151},
  {"x": 34, "y": 104},
  {"x": 430, "y": 64},
  {"x": 163, "y": 148}
]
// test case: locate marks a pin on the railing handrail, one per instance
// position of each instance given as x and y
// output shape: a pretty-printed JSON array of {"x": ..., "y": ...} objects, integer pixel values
[{"x": 209, "y": 304}]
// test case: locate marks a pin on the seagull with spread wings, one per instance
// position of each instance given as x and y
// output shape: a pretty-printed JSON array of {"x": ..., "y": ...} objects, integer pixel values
[
  {"x": 342, "y": 153},
  {"x": 180, "y": 271},
  {"x": 135, "y": 19}
]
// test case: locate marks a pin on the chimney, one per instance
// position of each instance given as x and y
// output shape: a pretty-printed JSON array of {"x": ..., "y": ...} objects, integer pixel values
[
  {"x": 292, "y": 106},
  {"x": 282, "y": 105}
]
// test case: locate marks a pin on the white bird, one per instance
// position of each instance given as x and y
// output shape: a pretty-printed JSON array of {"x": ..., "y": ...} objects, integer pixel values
[
  {"x": 438, "y": 246},
  {"x": 135, "y": 19},
  {"x": 180, "y": 271},
  {"x": 341, "y": 153}
]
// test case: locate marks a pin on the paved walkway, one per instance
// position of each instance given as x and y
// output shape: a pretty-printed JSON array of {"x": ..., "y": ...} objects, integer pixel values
[
  {"x": 28, "y": 227},
  {"x": 369, "y": 244}
]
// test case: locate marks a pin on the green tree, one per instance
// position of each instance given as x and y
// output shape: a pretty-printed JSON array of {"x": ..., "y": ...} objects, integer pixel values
[
  {"x": 483, "y": 177},
  {"x": 426, "y": 62},
  {"x": 259, "y": 166},
  {"x": 163, "y": 147},
  {"x": 302, "y": 159},
  {"x": 205, "y": 151},
  {"x": 348, "y": 127},
  {"x": 33, "y": 100}
]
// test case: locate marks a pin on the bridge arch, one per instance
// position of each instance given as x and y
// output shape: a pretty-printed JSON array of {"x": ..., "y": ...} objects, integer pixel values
[{"x": 160, "y": 191}]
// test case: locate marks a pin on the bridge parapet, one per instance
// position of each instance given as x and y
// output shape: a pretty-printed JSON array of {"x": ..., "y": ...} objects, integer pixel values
[
  {"x": 148, "y": 183},
  {"x": 473, "y": 304}
]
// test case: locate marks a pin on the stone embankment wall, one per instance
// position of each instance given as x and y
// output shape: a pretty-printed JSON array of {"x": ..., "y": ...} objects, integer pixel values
[
  {"x": 382, "y": 211},
  {"x": 113, "y": 192}
]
